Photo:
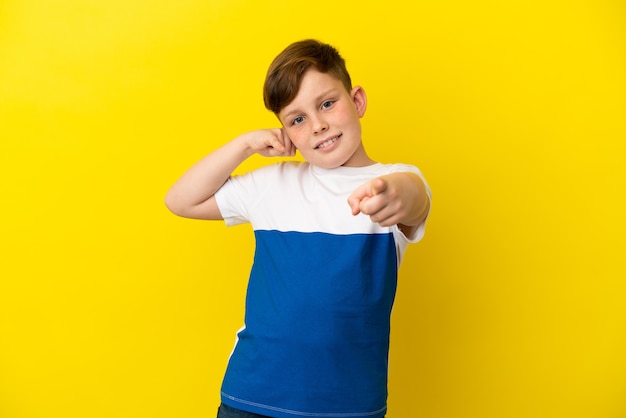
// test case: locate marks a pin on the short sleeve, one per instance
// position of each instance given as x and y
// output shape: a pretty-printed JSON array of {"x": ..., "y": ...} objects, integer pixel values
[
  {"x": 230, "y": 204},
  {"x": 238, "y": 195},
  {"x": 418, "y": 234}
]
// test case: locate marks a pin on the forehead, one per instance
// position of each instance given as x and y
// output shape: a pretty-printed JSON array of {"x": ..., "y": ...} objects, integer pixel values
[{"x": 313, "y": 82}]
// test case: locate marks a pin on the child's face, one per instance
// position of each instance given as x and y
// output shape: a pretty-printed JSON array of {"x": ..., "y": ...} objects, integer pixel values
[{"x": 323, "y": 122}]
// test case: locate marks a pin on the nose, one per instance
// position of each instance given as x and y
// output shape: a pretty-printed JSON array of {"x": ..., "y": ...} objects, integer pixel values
[{"x": 319, "y": 125}]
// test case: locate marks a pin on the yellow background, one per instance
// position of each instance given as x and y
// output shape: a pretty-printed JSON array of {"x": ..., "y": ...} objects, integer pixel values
[{"x": 513, "y": 305}]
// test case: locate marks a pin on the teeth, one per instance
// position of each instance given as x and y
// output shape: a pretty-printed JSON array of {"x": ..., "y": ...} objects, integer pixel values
[{"x": 327, "y": 143}]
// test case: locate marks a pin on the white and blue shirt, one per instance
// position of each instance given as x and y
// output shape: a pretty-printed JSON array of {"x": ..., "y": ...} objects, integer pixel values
[{"x": 316, "y": 336}]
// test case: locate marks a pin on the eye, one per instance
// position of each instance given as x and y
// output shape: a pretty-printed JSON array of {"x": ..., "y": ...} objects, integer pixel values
[
  {"x": 327, "y": 104},
  {"x": 298, "y": 120}
]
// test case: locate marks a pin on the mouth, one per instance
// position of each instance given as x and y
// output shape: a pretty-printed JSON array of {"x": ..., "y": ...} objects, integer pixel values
[{"x": 327, "y": 142}]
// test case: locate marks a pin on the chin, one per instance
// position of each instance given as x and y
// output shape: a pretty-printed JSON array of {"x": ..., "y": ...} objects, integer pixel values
[{"x": 328, "y": 164}]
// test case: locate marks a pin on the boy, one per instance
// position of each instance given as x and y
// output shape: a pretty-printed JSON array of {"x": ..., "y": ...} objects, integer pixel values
[{"x": 330, "y": 233}]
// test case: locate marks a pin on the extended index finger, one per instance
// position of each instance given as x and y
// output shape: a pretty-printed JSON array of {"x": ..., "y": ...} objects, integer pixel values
[{"x": 354, "y": 200}]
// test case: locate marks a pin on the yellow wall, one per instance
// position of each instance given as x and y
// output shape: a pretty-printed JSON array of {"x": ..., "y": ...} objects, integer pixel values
[{"x": 513, "y": 306}]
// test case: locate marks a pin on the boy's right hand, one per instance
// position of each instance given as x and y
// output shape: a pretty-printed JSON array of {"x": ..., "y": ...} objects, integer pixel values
[
  {"x": 270, "y": 143},
  {"x": 193, "y": 195}
]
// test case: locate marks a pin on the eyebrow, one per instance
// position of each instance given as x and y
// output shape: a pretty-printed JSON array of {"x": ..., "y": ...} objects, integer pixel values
[{"x": 317, "y": 99}]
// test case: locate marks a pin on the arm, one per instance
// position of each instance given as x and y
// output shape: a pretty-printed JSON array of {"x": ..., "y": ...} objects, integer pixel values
[
  {"x": 193, "y": 195},
  {"x": 397, "y": 198}
]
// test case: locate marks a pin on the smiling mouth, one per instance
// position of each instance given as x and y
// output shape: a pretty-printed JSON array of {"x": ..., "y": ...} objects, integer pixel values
[{"x": 328, "y": 142}]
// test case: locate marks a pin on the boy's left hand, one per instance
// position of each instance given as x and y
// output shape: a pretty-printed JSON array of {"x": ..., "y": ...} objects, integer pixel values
[{"x": 398, "y": 198}]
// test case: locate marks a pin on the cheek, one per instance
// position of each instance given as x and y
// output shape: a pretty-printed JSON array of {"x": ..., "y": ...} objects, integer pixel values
[
  {"x": 344, "y": 119},
  {"x": 296, "y": 138}
]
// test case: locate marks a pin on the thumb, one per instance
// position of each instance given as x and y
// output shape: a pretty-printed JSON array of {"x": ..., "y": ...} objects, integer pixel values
[{"x": 378, "y": 186}]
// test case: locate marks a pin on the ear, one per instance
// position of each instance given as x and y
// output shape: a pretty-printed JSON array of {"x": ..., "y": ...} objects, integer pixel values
[{"x": 360, "y": 100}]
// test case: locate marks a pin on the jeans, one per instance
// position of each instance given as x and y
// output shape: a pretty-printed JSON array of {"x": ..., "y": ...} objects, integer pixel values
[{"x": 225, "y": 411}]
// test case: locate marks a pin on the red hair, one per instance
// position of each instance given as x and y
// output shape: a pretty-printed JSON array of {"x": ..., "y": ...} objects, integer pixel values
[{"x": 288, "y": 68}]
